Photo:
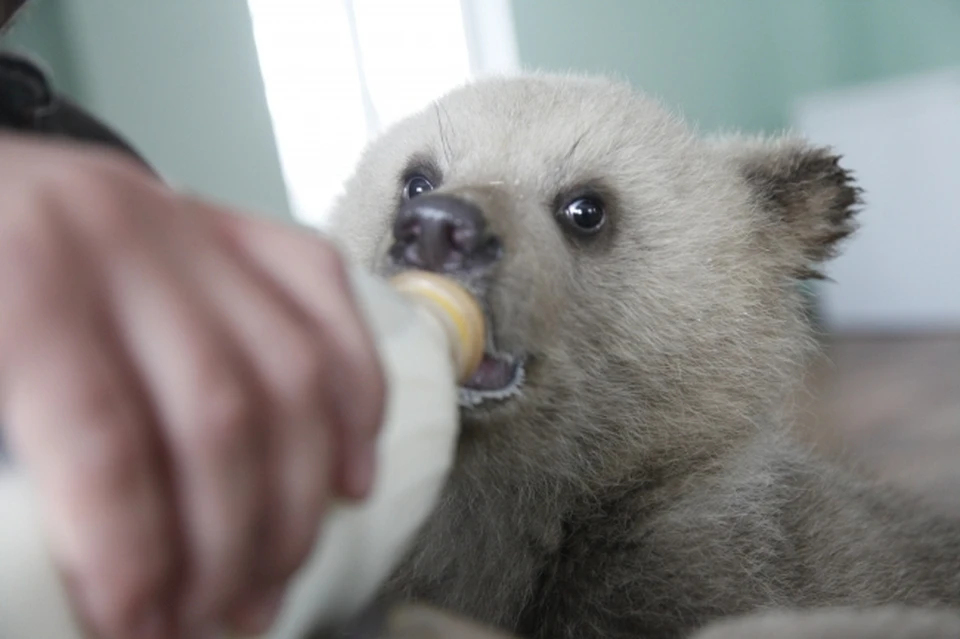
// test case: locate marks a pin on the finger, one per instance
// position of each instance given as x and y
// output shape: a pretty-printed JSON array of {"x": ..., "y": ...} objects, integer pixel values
[
  {"x": 313, "y": 273},
  {"x": 207, "y": 406},
  {"x": 109, "y": 524},
  {"x": 293, "y": 369},
  {"x": 75, "y": 422}
]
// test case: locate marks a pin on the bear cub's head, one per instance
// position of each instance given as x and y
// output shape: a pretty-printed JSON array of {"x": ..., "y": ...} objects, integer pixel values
[{"x": 641, "y": 281}]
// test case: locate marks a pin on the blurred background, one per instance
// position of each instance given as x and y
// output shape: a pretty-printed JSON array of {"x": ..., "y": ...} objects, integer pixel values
[{"x": 266, "y": 104}]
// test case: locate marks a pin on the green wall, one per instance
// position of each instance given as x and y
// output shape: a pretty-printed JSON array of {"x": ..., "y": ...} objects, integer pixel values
[
  {"x": 739, "y": 63},
  {"x": 179, "y": 78}
]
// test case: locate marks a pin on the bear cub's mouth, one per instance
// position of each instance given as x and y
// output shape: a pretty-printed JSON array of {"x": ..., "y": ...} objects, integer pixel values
[{"x": 499, "y": 376}]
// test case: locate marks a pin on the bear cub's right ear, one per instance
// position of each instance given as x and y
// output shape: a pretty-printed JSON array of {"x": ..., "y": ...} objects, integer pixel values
[{"x": 807, "y": 200}]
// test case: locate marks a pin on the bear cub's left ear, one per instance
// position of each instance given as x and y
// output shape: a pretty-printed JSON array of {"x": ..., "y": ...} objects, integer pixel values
[{"x": 806, "y": 199}]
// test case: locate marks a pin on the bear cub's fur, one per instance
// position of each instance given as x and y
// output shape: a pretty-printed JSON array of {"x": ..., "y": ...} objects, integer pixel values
[{"x": 626, "y": 467}]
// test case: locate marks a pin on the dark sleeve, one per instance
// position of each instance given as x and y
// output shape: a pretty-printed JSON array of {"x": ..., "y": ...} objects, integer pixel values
[
  {"x": 29, "y": 104},
  {"x": 7, "y": 10}
]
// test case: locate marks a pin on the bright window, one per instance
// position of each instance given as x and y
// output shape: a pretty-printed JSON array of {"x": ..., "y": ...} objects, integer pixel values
[{"x": 337, "y": 72}]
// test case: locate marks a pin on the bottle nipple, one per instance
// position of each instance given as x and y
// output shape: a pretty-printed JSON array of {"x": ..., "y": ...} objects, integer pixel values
[{"x": 455, "y": 308}]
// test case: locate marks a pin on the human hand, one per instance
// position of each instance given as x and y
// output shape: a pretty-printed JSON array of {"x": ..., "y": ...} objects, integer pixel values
[{"x": 187, "y": 387}]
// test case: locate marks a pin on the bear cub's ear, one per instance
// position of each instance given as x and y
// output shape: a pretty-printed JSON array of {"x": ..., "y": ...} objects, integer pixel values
[{"x": 806, "y": 199}]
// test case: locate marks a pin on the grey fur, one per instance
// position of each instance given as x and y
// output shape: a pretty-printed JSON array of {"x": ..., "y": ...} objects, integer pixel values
[{"x": 644, "y": 483}]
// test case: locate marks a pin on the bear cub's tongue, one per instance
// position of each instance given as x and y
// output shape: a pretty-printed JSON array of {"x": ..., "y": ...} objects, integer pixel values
[{"x": 494, "y": 373}]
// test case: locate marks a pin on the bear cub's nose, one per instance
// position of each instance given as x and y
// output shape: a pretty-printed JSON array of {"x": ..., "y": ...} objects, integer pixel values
[{"x": 443, "y": 233}]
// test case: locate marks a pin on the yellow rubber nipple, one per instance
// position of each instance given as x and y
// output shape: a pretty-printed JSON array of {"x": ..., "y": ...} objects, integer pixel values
[{"x": 456, "y": 307}]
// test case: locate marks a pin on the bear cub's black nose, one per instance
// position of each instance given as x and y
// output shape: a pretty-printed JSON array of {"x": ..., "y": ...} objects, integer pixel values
[{"x": 443, "y": 233}]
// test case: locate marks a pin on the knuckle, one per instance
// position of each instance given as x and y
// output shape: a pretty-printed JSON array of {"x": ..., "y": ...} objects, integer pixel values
[
  {"x": 99, "y": 171},
  {"x": 362, "y": 367},
  {"x": 293, "y": 555},
  {"x": 301, "y": 374},
  {"x": 110, "y": 463},
  {"x": 298, "y": 521},
  {"x": 84, "y": 179},
  {"x": 107, "y": 198},
  {"x": 290, "y": 542},
  {"x": 221, "y": 415},
  {"x": 117, "y": 163},
  {"x": 126, "y": 586},
  {"x": 215, "y": 582},
  {"x": 328, "y": 260},
  {"x": 109, "y": 223},
  {"x": 130, "y": 585},
  {"x": 108, "y": 455},
  {"x": 27, "y": 243},
  {"x": 38, "y": 269}
]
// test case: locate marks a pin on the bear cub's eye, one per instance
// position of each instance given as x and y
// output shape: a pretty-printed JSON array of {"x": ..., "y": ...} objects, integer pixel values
[
  {"x": 416, "y": 185},
  {"x": 585, "y": 215}
]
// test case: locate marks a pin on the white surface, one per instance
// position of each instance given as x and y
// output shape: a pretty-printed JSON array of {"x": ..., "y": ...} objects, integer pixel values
[
  {"x": 902, "y": 139},
  {"x": 32, "y": 603}
]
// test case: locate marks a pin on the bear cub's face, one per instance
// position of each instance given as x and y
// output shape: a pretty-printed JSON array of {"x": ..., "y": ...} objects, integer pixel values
[{"x": 639, "y": 281}]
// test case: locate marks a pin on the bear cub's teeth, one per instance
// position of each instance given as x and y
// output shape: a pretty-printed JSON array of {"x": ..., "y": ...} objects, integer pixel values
[{"x": 498, "y": 378}]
